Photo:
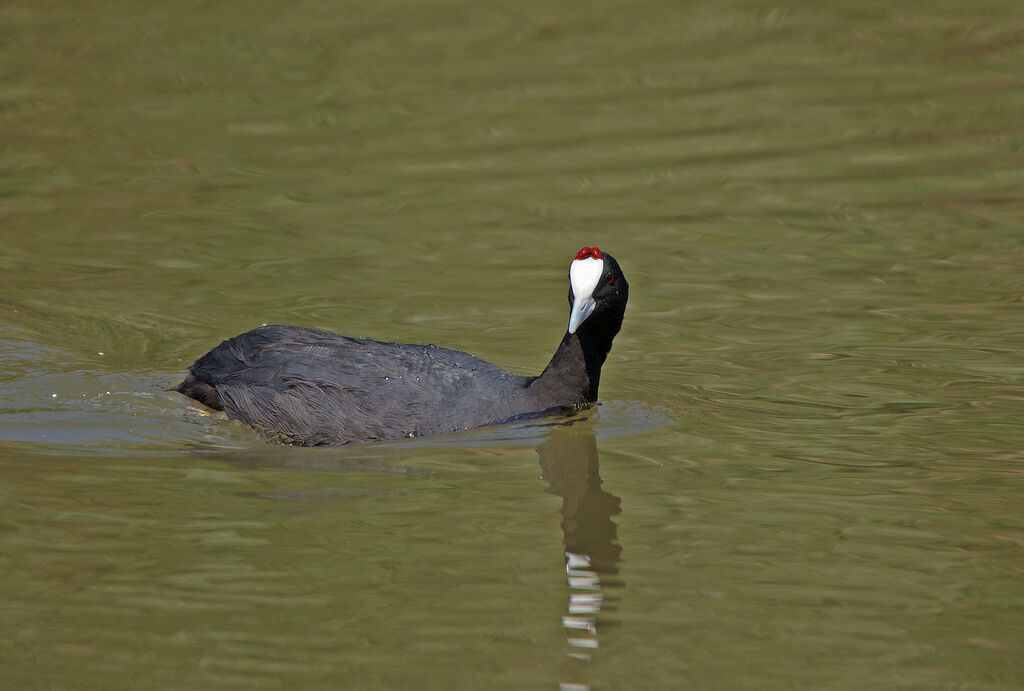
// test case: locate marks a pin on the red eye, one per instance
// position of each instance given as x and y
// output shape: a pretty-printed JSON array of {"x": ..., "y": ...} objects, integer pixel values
[{"x": 611, "y": 279}]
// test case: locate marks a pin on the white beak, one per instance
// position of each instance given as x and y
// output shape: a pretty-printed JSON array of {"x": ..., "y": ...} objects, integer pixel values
[
  {"x": 581, "y": 309},
  {"x": 584, "y": 275}
]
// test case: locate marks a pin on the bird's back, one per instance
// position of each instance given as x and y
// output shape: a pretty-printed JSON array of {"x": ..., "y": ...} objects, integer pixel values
[{"x": 316, "y": 387}]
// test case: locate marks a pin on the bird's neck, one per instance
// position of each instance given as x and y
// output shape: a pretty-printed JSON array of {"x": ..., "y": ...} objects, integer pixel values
[{"x": 574, "y": 373}]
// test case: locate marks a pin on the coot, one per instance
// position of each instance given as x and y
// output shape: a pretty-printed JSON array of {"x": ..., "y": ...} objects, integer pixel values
[{"x": 316, "y": 388}]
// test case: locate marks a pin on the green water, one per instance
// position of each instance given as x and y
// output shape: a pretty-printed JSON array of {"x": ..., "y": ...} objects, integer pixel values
[{"x": 807, "y": 468}]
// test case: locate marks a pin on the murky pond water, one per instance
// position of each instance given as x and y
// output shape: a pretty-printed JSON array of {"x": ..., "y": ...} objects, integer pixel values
[{"x": 807, "y": 469}]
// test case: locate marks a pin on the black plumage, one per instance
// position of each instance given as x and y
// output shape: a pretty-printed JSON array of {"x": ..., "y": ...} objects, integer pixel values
[{"x": 314, "y": 387}]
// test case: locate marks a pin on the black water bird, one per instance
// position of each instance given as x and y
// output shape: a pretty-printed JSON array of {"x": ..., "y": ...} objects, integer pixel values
[{"x": 317, "y": 388}]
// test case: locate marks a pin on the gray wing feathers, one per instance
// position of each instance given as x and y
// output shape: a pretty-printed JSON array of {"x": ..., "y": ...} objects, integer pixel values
[{"x": 328, "y": 389}]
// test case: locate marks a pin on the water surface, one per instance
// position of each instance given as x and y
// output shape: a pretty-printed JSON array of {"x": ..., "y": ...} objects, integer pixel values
[{"x": 806, "y": 468}]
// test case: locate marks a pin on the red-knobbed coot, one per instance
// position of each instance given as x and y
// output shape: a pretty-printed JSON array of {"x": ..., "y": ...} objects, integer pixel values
[{"x": 315, "y": 388}]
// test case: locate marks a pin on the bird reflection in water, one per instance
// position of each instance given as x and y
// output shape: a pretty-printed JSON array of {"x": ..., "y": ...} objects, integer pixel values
[
  {"x": 568, "y": 460},
  {"x": 569, "y": 465}
]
